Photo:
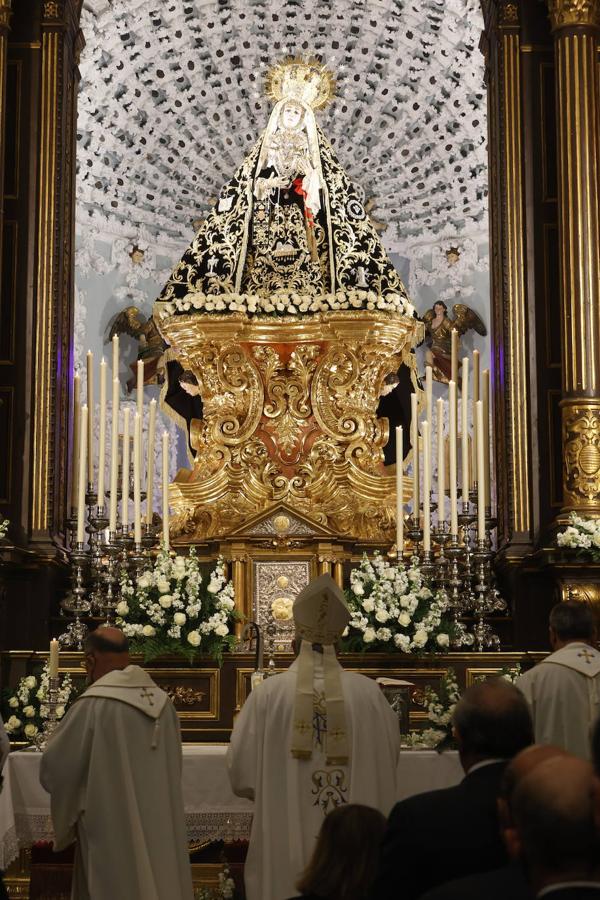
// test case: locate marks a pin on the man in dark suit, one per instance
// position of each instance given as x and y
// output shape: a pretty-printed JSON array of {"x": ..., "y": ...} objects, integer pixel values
[
  {"x": 509, "y": 881},
  {"x": 554, "y": 835},
  {"x": 445, "y": 834}
]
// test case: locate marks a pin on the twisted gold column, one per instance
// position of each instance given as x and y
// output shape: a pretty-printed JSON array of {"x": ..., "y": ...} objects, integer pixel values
[{"x": 576, "y": 27}]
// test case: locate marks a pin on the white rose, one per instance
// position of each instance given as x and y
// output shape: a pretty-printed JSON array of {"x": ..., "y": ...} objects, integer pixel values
[
  {"x": 13, "y": 702},
  {"x": 404, "y": 619},
  {"x": 148, "y": 631},
  {"x": 368, "y": 605},
  {"x": 165, "y": 601},
  {"x": 382, "y": 615},
  {"x": 60, "y": 711},
  {"x": 13, "y": 724},
  {"x": 122, "y": 608},
  {"x": 179, "y": 562},
  {"x": 222, "y": 630},
  {"x": 421, "y": 637},
  {"x": 213, "y": 587},
  {"x": 193, "y": 638},
  {"x": 180, "y": 618},
  {"x": 31, "y": 730},
  {"x": 28, "y": 712},
  {"x": 163, "y": 586},
  {"x": 443, "y": 640},
  {"x": 358, "y": 590},
  {"x": 369, "y": 635},
  {"x": 144, "y": 581},
  {"x": 30, "y": 682}
]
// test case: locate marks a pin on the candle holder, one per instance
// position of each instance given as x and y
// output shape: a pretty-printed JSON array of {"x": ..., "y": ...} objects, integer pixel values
[
  {"x": 51, "y": 703},
  {"x": 125, "y": 543},
  {"x": 428, "y": 566},
  {"x": 415, "y": 534},
  {"x": 71, "y": 526},
  {"x": 271, "y": 629},
  {"x": 98, "y": 523},
  {"x": 150, "y": 537},
  {"x": 75, "y": 604},
  {"x": 484, "y": 636},
  {"x": 111, "y": 595},
  {"x": 466, "y": 520},
  {"x": 441, "y": 537},
  {"x": 137, "y": 558}
]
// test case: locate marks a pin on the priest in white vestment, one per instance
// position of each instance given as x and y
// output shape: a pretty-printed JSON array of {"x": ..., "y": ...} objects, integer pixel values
[
  {"x": 563, "y": 691},
  {"x": 307, "y": 741},
  {"x": 113, "y": 771}
]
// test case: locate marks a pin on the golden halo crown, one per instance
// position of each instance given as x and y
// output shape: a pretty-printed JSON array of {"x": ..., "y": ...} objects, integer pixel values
[{"x": 296, "y": 78}]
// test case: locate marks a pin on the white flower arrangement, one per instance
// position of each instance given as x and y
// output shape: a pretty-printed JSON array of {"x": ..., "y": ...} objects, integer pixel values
[
  {"x": 171, "y": 609},
  {"x": 286, "y": 303},
  {"x": 4, "y": 528},
  {"x": 582, "y": 535},
  {"x": 393, "y": 609},
  {"x": 25, "y": 710},
  {"x": 440, "y": 707}
]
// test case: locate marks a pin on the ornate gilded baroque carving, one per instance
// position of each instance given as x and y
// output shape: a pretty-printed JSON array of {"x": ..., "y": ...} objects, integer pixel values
[
  {"x": 581, "y": 441},
  {"x": 566, "y": 13},
  {"x": 289, "y": 416}
]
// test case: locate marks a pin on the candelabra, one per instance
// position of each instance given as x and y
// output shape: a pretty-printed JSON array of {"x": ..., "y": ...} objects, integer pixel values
[
  {"x": 75, "y": 603},
  {"x": 51, "y": 703},
  {"x": 97, "y": 524},
  {"x": 415, "y": 534},
  {"x": 485, "y": 602},
  {"x": 111, "y": 594}
]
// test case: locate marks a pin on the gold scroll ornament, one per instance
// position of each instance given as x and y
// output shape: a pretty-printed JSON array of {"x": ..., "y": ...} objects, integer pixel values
[
  {"x": 289, "y": 416},
  {"x": 581, "y": 442}
]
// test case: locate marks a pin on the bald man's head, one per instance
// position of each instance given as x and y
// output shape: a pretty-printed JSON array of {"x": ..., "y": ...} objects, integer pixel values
[
  {"x": 524, "y": 763},
  {"x": 553, "y": 820},
  {"x": 492, "y": 721},
  {"x": 106, "y": 649}
]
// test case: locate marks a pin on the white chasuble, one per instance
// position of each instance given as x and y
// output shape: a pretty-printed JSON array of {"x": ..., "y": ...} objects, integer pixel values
[
  {"x": 113, "y": 770},
  {"x": 293, "y": 795},
  {"x": 563, "y": 693}
]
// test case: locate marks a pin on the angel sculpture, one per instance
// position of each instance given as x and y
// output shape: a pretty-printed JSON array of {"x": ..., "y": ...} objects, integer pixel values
[
  {"x": 151, "y": 345},
  {"x": 438, "y": 335}
]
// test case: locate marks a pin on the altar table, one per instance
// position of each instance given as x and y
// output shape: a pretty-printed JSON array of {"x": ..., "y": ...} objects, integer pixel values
[{"x": 212, "y": 811}]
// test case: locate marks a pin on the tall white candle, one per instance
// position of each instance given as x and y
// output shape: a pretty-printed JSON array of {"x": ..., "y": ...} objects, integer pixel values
[
  {"x": 454, "y": 356},
  {"x": 102, "y": 434},
  {"x": 114, "y": 456},
  {"x": 75, "y": 440},
  {"x": 414, "y": 440},
  {"x": 140, "y": 389},
  {"x": 426, "y": 434},
  {"x": 480, "y": 474},
  {"x": 429, "y": 394},
  {"x": 165, "y": 488},
  {"x": 83, "y": 435},
  {"x": 399, "y": 492},
  {"x": 453, "y": 475},
  {"x": 441, "y": 474},
  {"x": 150, "y": 462},
  {"x": 464, "y": 430},
  {"x": 115, "y": 356},
  {"x": 125, "y": 472},
  {"x": 90, "y": 404},
  {"x": 476, "y": 356},
  {"x": 53, "y": 659},
  {"x": 137, "y": 479},
  {"x": 486, "y": 435}
]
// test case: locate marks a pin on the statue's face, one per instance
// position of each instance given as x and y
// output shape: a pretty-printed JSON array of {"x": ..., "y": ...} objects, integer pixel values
[
  {"x": 439, "y": 309},
  {"x": 291, "y": 115}
]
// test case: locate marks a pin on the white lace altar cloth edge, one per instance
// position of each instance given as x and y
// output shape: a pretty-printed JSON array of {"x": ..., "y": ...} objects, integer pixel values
[{"x": 212, "y": 811}]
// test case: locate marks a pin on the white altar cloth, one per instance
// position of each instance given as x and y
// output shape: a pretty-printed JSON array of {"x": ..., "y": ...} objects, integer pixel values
[{"x": 212, "y": 811}]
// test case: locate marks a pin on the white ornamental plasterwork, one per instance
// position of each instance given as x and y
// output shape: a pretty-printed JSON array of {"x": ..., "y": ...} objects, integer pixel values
[
  {"x": 171, "y": 99},
  {"x": 79, "y": 329},
  {"x": 451, "y": 262}
]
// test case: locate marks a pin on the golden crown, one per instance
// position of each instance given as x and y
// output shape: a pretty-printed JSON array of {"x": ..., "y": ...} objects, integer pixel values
[{"x": 296, "y": 78}]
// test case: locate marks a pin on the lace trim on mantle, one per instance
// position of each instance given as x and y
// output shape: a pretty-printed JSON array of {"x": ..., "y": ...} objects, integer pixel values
[{"x": 200, "y": 826}]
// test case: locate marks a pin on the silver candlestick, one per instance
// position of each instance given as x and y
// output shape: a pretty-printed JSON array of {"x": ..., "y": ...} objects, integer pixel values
[
  {"x": 51, "y": 703},
  {"x": 75, "y": 603}
]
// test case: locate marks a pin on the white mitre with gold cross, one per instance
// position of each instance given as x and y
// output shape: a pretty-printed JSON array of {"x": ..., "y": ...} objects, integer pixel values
[{"x": 320, "y": 616}]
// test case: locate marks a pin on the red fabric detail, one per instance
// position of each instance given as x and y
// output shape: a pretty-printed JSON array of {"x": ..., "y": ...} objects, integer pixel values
[{"x": 297, "y": 185}]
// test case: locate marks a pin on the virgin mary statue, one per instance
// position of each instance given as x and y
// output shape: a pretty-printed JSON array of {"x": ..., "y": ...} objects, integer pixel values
[{"x": 290, "y": 220}]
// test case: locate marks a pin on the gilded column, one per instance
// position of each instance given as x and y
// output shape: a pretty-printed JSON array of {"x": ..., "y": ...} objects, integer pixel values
[
  {"x": 576, "y": 27},
  {"x": 61, "y": 43},
  {"x": 501, "y": 45},
  {"x": 5, "y": 14}
]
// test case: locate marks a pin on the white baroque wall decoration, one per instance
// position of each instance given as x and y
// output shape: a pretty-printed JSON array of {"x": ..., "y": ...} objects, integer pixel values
[{"x": 171, "y": 98}]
